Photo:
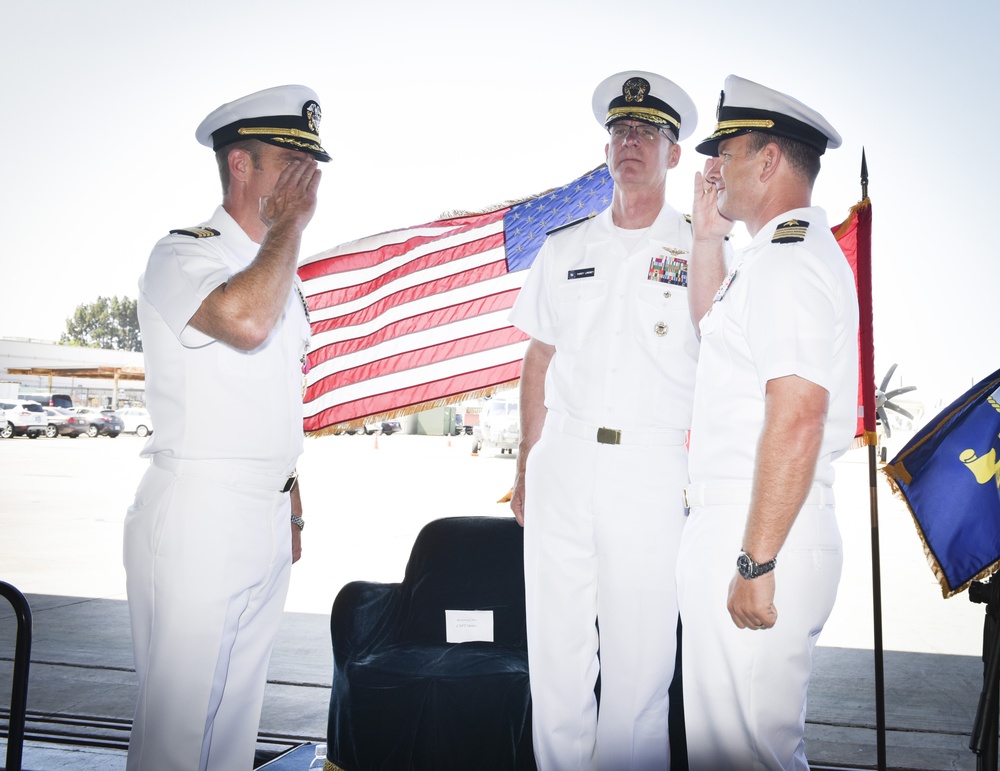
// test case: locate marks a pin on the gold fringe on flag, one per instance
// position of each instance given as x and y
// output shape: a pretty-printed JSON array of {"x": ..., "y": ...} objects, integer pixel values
[{"x": 846, "y": 224}]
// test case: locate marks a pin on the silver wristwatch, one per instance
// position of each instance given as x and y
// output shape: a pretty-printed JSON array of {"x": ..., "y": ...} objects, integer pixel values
[
  {"x": 298, "y": 522},
  {"x": 750, "y": 569}
]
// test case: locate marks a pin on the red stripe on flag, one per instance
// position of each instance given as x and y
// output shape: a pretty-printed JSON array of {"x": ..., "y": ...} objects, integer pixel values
[
  {"x": 420, "y": 357},
  {"x": 416, "y": 323},
  {"x": 410, "y": 294},
  {"x": 345, "y": 294},
  {"x": 423, "y": 394},
  {"x": 382, "y": 251}
]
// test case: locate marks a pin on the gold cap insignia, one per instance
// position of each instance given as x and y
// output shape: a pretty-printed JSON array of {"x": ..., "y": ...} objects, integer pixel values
[
  {"x": 313, "y": 115},
  {"x": 635, "y": 89}
]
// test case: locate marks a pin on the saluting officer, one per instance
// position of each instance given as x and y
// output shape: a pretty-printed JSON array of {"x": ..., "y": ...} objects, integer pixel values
[
  {"x": 215, "y": 526},
  {"x": 775, "y": 404}
]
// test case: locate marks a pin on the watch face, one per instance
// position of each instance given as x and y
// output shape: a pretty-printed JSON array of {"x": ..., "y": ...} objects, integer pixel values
[{"x": 744, "y": 566}]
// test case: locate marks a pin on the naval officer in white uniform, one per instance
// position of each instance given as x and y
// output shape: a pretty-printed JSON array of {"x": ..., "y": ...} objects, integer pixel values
[
  {"x": 606, "y": 397},
  {"x": 216, "y": 521},
  {"x": 775, "y": 404}
]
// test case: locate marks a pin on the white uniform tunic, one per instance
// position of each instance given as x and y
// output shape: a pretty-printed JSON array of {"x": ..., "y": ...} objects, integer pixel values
[
  {"x": 207, "y": 540},
  {"x": 786, "y": 309},
  {"x": 602, "y": 521}
]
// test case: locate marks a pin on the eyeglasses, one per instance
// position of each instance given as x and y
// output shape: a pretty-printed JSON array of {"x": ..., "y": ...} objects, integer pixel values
[{"x": 621, "y": 132}]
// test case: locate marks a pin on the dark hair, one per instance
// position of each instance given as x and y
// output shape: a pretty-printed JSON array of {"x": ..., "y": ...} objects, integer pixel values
[
  {"x": 251, "y": 147},
  {"x": 803, "y": 158}
]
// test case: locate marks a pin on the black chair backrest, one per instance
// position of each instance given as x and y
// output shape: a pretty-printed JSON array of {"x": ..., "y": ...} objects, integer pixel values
[{"x": 466, "y": 563}]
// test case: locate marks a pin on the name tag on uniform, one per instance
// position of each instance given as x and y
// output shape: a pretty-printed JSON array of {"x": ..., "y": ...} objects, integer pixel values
[
  {"x": 581, "y": 273},
  {"x": 468, "y": 626}
]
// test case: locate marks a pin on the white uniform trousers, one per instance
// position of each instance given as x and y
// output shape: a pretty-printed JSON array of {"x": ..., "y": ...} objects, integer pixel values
[
  {"x": 745, "y": 690},
  {"x": 602, "y": 528},
  {"x": 207, "y": 574}
]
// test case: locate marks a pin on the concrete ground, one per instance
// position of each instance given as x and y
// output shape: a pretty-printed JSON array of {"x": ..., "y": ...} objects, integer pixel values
[{"x": 62, "y": 503}]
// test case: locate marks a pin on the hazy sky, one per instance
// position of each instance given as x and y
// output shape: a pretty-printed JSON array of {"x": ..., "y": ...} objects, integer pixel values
[{"x": 432, "y": 106}]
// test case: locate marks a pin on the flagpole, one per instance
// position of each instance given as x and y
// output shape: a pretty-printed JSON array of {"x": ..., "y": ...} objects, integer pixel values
[{"x": 876, "y": 560}]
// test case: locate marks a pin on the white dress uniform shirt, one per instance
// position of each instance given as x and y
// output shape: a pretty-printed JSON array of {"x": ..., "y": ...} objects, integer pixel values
[
  {"x": 626, "y": 348},
  {"x": 788, "y": 309},
  {"x": 210, "y": 401}
]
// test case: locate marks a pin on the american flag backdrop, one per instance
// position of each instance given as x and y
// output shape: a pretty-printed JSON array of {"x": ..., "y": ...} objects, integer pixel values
[{"x": 415, "y": 318}]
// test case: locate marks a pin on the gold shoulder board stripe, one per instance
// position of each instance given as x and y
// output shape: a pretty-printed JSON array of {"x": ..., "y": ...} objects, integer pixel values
[
  {"x": 790, "y": 232},
  {"x": 196, "y": 232}
]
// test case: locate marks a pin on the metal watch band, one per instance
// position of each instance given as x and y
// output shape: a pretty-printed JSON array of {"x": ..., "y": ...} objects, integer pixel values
[{"x": 749, "y": 569}]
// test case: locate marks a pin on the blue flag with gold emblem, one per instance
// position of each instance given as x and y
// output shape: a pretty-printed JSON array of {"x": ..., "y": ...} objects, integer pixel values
[{"x": 949, "y": 476}]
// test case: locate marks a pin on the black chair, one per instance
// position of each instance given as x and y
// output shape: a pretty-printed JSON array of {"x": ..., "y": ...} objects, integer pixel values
[
  {"x": 403, "y": 697},
  {"x": 19, "y": 686}
]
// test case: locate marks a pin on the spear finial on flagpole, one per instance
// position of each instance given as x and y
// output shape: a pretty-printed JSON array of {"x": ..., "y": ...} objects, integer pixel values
[{"x": 864, "y": 175}]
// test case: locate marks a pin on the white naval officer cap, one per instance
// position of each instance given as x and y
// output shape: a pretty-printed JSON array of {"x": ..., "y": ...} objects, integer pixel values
[
  {"x": 284, "y": 116},
  {"x": 646, "y": 97},
  {"x": 745, "y": 106}
]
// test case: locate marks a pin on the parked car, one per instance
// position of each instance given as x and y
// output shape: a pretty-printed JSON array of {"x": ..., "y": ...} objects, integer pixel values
[
  {"x": 136, "y": 421},
  {"x": 64, "y": 422},
  {"x": 386, "y": 427},
  {"x": 22, "y": 418},
  {"x": 48, "y": 400},
  {"x": 102, "y": 422}
]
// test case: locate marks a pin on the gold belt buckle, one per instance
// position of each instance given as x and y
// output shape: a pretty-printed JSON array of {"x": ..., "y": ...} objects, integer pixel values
[{"x": 609, "y": 436}]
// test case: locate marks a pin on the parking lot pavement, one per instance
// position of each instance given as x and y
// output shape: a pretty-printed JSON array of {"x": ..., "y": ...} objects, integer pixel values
[{"x": 63, "y": 501}]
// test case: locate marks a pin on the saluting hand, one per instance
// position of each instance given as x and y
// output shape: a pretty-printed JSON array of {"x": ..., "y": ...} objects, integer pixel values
[
  {"x": 706, "y": 220},
  {"x": 294, "y": 195}
]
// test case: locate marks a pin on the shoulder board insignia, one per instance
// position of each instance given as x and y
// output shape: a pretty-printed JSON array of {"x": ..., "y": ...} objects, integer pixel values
[
  {"x": 570, "y": 224},
  {"x": 790, "y": 232},
  {"x": 196, "y": 232},
  {"x": 687, "y": 217}
]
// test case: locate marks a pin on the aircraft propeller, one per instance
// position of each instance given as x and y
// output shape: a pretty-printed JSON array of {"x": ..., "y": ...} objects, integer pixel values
[{"x": 883, "y": 400}]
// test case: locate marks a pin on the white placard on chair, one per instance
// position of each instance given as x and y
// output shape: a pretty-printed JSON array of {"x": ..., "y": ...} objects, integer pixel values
[{"x": 469, "y": 625}]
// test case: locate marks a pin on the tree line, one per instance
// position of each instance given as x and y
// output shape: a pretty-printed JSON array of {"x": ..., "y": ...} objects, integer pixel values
[{"x": 108, "y": 322}]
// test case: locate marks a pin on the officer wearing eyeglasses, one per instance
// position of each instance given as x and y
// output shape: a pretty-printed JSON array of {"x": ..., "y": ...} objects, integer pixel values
[{"x": 606, "y": 399}]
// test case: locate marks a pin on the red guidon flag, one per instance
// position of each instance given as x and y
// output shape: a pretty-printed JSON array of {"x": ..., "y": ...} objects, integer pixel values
[
  {"x": 855, "y": 238},
  {"x": 416, "y": 318}
]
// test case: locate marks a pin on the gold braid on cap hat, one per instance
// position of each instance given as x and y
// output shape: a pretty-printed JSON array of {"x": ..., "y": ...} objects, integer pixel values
[
  {"x": 732, "y": 125},
  {"x": 642, "y": 113},
  {"x": 281, "y": 132}
]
